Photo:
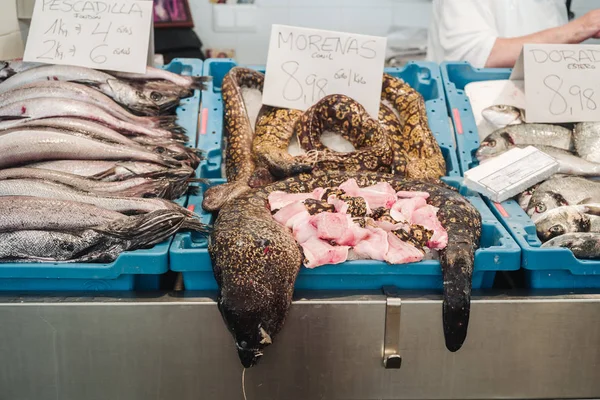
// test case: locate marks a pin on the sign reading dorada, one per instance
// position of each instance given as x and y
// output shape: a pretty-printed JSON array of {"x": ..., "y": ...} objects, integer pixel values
[
  {"x": 304, "y": 65},
  {"x": 562, "y": 82},
  {"x": 101, "y": 34}
]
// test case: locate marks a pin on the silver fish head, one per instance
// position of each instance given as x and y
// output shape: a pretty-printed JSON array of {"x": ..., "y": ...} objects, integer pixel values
[
  {"x": 495, "y": 144},
  {"x": 502, "y": 115},
  {"x": 525, "y": 197},
  {"x": 561, "y": 221},
  {"x": 543, "y": 202}
]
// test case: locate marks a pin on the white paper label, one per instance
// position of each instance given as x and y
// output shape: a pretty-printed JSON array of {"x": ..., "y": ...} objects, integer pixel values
[
  {"x": 305, "y": 65},
  {"x": 562, "y": 82},
  {"x": 101, "y": 34}
]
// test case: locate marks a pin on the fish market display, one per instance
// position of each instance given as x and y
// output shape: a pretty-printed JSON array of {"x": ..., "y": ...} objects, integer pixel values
[
  {"x": 256, "y": 259},
  {"x": 83, "y": 177},
  {"x": 338, "y": 204},
  {"x": 566, "y": 207}
]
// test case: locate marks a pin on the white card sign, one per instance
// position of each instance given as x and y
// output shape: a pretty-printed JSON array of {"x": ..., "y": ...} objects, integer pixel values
[
  {"x": 102, "y": 34},
  {"x": 562, "y": 82},
  {"x": 304, "y": 65}
]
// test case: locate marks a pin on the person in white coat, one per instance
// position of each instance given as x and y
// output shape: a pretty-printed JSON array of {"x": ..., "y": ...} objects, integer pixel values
[{"x": 491, "y": 33}]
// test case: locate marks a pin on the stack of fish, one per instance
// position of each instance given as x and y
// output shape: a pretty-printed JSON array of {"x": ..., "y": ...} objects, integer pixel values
[
  {"x": 90, "y": 162},
  {"x": 565, "y": 207}
]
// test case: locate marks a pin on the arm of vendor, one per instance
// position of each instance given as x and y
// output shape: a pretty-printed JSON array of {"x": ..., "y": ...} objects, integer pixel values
[{"x": 491, "y": 33}]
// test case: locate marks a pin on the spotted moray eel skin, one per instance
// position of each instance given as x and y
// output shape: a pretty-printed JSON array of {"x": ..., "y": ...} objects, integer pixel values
[
  {"x": 238, "y": 136},
  {"x": 339, "y": 113},
  {"x": 256, "y": 260},
  {"x": 274, "y": 130},
  {"x": 417, "y": 154}
]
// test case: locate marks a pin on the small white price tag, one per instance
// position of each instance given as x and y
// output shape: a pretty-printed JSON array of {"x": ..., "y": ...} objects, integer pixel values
[
  {"x": 562, "y": 82},
  {"x": 304, "y": 65},
  {"x": 511, "y": 173},
  {"x": 103, "y": 34}
]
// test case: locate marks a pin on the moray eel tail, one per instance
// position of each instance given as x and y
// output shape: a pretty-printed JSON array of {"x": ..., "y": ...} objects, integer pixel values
[{"x": 457, "y": 269}]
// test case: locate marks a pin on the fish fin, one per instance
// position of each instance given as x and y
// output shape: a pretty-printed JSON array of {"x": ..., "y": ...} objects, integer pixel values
[
  {"x": 592, "y": 209},
  {"x": 199, "y": 82},
  {"x": 195, "y": 225},
  {"x": 193, "y": 190},
  {"x": 585, "y": 201},
  {"x": 87, "y": 82},
  {"x": 198, "y": 180}
]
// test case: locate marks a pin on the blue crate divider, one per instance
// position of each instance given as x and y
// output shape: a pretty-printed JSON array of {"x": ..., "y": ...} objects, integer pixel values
[
  {"x": 498, "y": 252},
  {"x": 132, "y": 270},
  {"x": 423, "y": 76},
  {"x": 545, "y": 268}
]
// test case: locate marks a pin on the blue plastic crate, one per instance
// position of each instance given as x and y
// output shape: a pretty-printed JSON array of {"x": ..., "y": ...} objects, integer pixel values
[
  {"x": 498, "y": 252},
  {"x": 139, "y": 269},
  {"x": 545, "y": 268},
  {"x": 423, "y": 76}
]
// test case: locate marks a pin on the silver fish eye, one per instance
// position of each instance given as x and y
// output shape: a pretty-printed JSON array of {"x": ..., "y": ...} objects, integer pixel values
[
  {"x": 155, "y": 96},
  {"x": 540, "y": 208}
]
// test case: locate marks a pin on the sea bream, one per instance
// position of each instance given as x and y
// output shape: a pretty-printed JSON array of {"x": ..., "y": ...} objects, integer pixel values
[
  {"x": 563, "y": 191},
  {"x": 502, "y": 115},
  {"x": 587, "y": 141},
  {"x": 568, "y": 219},
  {"x": 506, "y": 138},
  {"x": 583, "y": 245}
]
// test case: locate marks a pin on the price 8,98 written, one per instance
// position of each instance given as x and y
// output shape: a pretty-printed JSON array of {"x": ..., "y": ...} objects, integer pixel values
[{"x": 569, "y": 98}]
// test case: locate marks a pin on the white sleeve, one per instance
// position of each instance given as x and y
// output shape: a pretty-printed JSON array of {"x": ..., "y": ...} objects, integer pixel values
[{"x": 466, "y": 30}]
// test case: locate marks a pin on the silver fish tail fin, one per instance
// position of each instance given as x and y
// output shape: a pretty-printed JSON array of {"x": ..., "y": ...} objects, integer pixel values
[
  {"x": 199, "y": 82},
  {"x": 145, "y": 230}
]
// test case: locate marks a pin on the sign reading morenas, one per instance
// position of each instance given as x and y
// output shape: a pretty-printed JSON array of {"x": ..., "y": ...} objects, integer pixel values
[
  {"x": 305, "y": 65},
  {"x": 112, "y": 35}
]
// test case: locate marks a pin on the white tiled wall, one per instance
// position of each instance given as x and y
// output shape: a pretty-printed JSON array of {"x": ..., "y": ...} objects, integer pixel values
[{"x": 370, "y": 17}]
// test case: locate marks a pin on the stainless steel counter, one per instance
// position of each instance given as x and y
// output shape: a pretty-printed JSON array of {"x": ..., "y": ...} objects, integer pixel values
[{"x": 170, "y": 347}]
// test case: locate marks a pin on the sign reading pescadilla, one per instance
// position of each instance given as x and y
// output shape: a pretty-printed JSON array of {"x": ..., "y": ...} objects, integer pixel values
[
  {"x": 562, "y": 82},
  {"x": 305, "y": 65},
  {"x": 111, "y": 35}
]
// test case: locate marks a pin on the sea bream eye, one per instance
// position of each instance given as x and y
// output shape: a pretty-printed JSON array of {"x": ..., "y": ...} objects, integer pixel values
[
  {"x": 540, "y": 208},
  {"x": 156, "y": 96}
]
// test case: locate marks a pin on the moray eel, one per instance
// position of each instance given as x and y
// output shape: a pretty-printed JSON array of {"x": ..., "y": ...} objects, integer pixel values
[
  {"x": 238, "y": 136},
  {"x": 341, "y": 114},
  {"x": 417, "y": 154},
  {"x": 274, "y": 130},
  {"x": 256, "y": 260}
]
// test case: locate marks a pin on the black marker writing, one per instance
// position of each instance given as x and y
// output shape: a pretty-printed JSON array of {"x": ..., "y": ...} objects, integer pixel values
[
  {"x": 559, "y": 104},
  {"x": 97, "y": 31},
  {"x": 97, "y": 54},
  {"x": 292, "y": 90}
]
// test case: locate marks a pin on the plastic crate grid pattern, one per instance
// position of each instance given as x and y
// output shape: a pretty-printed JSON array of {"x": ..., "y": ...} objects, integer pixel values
[
  {"x": 545, "y": 268},
  {"x": 139, "y": 269}
]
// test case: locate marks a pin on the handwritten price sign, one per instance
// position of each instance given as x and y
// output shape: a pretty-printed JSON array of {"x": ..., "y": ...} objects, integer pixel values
[
  {"x": 305, "y": 65},
  {"x": 562, "y": 82},
  {"x": 112, "y": 35}
]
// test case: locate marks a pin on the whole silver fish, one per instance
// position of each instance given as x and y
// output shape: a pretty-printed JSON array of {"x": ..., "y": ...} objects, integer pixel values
[
  {"x": 127, "y": 94},
  {"x": 83, "y": 126},
  {"x": 52, "y": 190},
  {"x": 503, "y": 115},
  {"x": 19, "y": 147},
  {"x": 506, "y": 138},
  {"x": 568, "y": 219},
  {"x": 563, "y": 191},
  {"x": 102, "y": 243},
  {"x": 134, "y": 187},
  {"x": 32, "y": 213},
  {"x": 188, "y": 82},
  {"x": 56, "y": 107},
  {"x": 569, "y": 163},
  {"x": 583, "y": 245},
  {"x": 587, "y": 141},
  {"x": 78, "y": 92},
  {"x": 114, "y": 170}
]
